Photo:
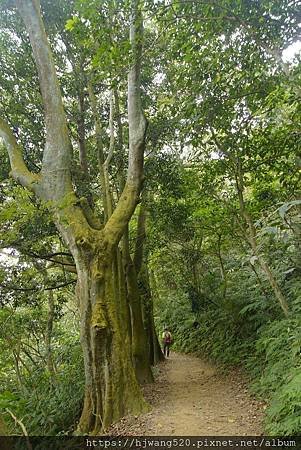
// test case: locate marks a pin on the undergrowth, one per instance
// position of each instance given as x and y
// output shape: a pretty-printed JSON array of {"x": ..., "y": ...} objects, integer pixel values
[{"x": 45, "y": 404}]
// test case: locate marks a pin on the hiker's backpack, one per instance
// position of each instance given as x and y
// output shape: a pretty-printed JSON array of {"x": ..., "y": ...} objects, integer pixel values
[{"x": 167, "y": 337}]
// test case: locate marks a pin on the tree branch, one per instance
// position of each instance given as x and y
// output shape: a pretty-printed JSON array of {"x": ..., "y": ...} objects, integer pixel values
[
  {"x": 21, "y": 424},
  {"x": 19, "y": 170},
  {"x": 137, "y": 130},
  {"x": 137, "y": 121},
  {"x": 106, "y": 164},
  {"x": 50, "y": 288},
  {"x": 57, "y": 152}
]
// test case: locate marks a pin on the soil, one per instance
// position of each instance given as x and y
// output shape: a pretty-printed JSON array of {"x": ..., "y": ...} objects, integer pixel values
[{"x": 192, "y": 397}]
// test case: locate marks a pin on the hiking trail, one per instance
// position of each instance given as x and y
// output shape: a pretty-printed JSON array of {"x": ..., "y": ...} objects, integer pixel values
[{"x": 191, "y": 397}]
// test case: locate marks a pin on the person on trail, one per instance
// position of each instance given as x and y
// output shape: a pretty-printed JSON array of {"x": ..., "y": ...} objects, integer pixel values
[{"x": 167, "y": 341}]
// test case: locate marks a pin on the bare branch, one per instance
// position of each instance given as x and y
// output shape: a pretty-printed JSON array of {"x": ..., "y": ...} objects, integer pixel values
[
  {"x": 50, "y": 288},
  {"x": 21, "y": 424}
]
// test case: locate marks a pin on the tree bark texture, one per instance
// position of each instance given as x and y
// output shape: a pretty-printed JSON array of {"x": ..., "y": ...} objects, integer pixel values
[
  {"x": 140, "y": 345},
  {"x": 155, "y": 352}
]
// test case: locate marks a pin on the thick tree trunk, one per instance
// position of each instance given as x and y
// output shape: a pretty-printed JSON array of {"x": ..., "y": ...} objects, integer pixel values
[
  {"x": 140, "y": 347},
  {"x": 155, "y": 353},
  {"x": 111, "y": 389},
  {"x": 123, "y": 298}
]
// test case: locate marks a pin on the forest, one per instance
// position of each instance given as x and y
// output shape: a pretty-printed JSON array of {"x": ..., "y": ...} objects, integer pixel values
[{"x": 150, "y": 177}]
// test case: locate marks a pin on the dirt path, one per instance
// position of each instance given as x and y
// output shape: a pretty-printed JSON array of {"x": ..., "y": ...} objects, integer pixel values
[{"x": 191, "y": 398}]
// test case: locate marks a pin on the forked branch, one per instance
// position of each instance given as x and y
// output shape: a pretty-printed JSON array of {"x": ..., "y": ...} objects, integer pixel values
[{"x": 137, "y": 130}]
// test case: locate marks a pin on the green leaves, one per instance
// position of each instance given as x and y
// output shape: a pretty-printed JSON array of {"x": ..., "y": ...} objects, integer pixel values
[
  {"x": 7, "y": 399},
  {"x": 284, "y": 414},
  {"x": 71, "y": 23}
]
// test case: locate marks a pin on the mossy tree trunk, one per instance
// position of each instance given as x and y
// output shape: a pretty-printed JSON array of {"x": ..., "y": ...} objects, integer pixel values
[
  {"x": 155, "y": 353},
  {"x": 141, "y": 271},
  {"x": 140, "y": 344},
  {"x": 111, "y": 388}
]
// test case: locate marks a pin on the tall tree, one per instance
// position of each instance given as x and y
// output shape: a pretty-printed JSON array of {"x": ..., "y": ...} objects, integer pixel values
[{"x": 111, "y": 389}]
